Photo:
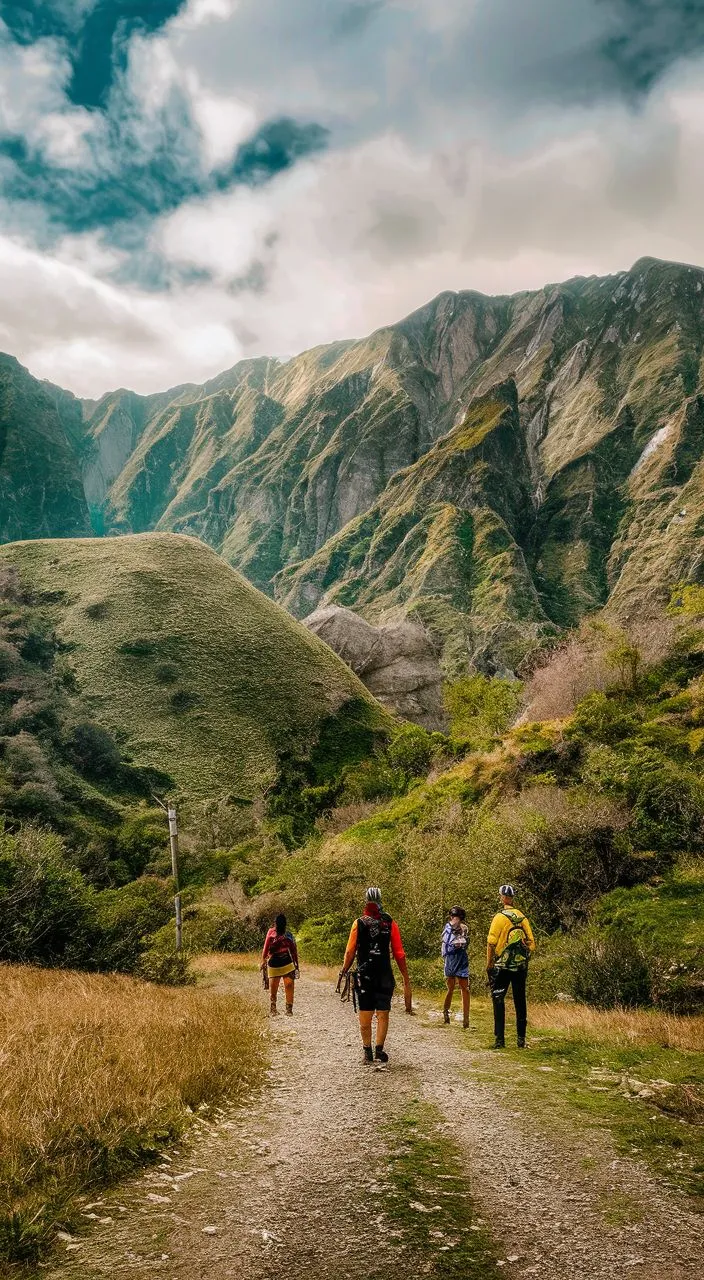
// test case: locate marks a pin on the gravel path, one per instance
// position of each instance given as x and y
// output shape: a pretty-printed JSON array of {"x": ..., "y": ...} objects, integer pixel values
[{"x": 291, "y": 1183}]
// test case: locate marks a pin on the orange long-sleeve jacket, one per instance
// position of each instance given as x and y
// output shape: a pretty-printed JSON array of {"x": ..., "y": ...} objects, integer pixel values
[{"x": 397, "y": 950}]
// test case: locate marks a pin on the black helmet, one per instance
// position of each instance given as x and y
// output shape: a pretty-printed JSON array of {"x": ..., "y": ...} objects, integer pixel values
[{"x": 457, "y": 911}]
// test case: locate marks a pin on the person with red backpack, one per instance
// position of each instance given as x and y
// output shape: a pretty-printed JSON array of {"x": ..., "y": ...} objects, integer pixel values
[
  {"x": 510, "y": 945},
  {"x": 374, "y": 939},
  {"x": 280, "y": 961}
]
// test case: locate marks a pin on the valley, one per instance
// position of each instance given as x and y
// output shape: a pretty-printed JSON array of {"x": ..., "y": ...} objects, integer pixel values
[
  {"x": 495, "y": 468},
  {"x": 422, "y": 610}
]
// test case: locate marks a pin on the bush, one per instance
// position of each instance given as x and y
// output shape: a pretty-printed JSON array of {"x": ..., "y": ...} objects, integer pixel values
[
  {"x": 167, "y": 970},
  {"x": 373, "y": 779},
  {"x": 602, "y": 719},
  {"x": 210, "y": 926},
  {"x": 609, "y": 969},
  {"x": 126, "y": 918},
  {"x": 411, "y": 750},
  {"x": 668, "y": 804},
  {"x": 480, "y": 709},
  {"x": 94, "y": 751},
  {"x": 47, "y": 911},
  {"x": 142, "y": 841},
  {"x": 322, "y": 940}
]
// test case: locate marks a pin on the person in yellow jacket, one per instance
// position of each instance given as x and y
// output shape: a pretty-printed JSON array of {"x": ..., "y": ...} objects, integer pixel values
[{"x": 509, "y": 947}]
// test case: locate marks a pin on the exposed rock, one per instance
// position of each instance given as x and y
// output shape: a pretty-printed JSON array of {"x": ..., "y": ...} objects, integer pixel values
[
  {"x": 398, "y": 662},
  {"x": 495, "y": 467}
]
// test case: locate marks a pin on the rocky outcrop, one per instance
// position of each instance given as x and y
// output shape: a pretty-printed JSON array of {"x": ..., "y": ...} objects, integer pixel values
[{"x": 397, "y": 662}]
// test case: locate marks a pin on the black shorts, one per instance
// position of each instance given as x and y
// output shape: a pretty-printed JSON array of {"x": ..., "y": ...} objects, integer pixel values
[{"x": 371, "y": 998}]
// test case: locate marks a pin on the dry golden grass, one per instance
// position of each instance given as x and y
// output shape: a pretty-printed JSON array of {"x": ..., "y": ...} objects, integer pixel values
[
  {"x": 96, "y": 1072},
  {"x": 621, "y": 1027}
]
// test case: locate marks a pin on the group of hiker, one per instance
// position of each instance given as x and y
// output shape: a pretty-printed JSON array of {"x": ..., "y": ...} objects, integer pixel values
[{"x": 367, "y": 975}]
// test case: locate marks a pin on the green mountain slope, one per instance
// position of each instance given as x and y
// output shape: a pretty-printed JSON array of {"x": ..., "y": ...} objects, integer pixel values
[
  {"x": 304, "y": 474},
  {"x": 444, "y": 541},
  {"x": 195, "y": 672},
  {"x": 41, "y": 491}
]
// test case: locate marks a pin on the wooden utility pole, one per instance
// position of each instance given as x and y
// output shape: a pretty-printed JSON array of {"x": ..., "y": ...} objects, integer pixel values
[{"x": 173, "y": 841}]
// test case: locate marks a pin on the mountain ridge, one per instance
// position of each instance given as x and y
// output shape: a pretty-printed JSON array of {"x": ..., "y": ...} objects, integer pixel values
[{"x": 300, "y": 472}]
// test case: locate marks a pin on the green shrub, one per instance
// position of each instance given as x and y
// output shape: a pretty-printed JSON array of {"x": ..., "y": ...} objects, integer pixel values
[
  {"x": 142, "y": 841},
  {"x": 322, "y": 939},
  {"x": 94, "y": 750},
  {"x": 126, "y": 918},
  {"x": 170, "y": 970},
  {"x": 602, "y": 719},
  {"x": 480, "y": 709},
  {"x": 668, "y": 803},
  {"x": 210, "y": 926},
  {"x": 412, "y": 750},
  {"x": 609, "y": 969},
  {"x": 373, "y": 779},
  {"x": 47, "y": 911}
]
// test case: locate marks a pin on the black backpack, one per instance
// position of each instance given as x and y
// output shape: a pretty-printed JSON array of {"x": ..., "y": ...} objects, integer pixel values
[{"x": 374, "y": 950}]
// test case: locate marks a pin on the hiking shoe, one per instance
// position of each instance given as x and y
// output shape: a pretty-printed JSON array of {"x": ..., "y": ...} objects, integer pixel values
[
  {"x": 380, "y": 1055},
  {"x": 289, "y": 1010},
  {"x": 521, "y": 1042},
  {"x": 273, "y": 1011},
  {"x": 368, "y": 1054},
  {"x": 465, "y": 1025},
  {"x": 446, "y": 1017},
  {"x": 498, "y": 1044}
]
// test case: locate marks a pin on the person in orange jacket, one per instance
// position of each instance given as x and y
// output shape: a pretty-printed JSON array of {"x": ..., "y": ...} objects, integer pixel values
[{"x": 374, "y": 939}]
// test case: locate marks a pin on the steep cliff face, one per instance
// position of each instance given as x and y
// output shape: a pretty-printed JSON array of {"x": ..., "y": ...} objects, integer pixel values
[
  {"x": 496, "y": 467},
  {"x": 41, "y": 494}
]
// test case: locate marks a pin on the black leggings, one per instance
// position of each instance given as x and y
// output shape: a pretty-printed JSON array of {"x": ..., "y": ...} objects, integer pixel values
[{"x": 516, "y": 979}]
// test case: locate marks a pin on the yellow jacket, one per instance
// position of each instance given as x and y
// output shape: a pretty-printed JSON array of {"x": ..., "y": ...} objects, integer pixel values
[{"x": 501, "y": 926}]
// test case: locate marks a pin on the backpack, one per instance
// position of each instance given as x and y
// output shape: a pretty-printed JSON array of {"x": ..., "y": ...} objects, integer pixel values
[
  {"x": 374, "y": 951},
  {"x": 516, "y": 951}
]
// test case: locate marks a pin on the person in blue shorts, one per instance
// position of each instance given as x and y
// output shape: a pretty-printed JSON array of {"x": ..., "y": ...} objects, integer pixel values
[{"x": 455, "y": 953}]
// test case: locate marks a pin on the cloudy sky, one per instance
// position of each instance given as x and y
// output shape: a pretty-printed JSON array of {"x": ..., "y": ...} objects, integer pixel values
[{"x": 184, "y": 182}]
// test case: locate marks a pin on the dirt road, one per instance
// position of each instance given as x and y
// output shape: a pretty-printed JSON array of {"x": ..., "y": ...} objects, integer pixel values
[{"x": 311, "y": 1178}]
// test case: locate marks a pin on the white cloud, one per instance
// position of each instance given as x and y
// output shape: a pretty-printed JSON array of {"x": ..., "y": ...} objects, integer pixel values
[
  {"x": 33, "y": 104},
  {"x": 87, "y": 335},
  {"x": 224, "y": 122},
  {"x": 471, "y": 147}
]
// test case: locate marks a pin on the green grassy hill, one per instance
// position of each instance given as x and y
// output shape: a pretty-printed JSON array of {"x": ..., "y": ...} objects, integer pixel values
[{"x": 193, "y": 670}]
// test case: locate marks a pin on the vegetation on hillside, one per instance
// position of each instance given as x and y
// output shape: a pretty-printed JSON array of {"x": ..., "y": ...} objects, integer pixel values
[
  {"x": 99, "y": 1073},
  {"x": 195, "y": 673},
  {"x": 598, "y": 816},
  {"x": 90, "y": 731}
]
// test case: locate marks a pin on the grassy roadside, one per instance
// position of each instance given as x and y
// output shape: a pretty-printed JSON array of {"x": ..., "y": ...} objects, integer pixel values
[
  {"x": 98, "y": 1074},
  {"x": 639, "y": 1075},
  {"x": 427, "y": 1209}
]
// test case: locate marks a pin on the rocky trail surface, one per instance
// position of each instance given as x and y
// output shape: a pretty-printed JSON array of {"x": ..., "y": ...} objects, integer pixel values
[{"x": 325, "y": 1174}]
